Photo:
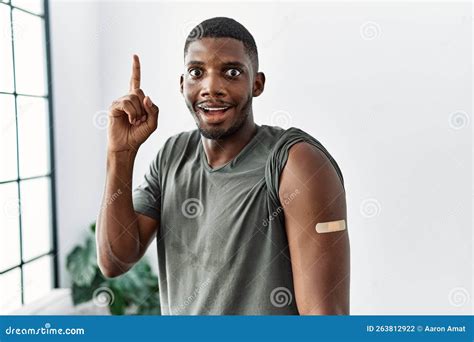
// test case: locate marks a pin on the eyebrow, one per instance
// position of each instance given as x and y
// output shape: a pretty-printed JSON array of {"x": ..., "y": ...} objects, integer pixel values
[{"x": 228, "y": 64}]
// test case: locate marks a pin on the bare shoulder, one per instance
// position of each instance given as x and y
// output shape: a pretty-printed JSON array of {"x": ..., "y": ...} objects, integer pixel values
[{"x": 309, "y": 167}]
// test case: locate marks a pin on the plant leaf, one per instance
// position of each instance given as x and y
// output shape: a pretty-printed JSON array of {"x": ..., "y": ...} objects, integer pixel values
[
  {"x": 139, "y": 286},
  {"x": 82, "y": 263},
  {"x": 118, "y": 306},
  {"x": 136, "y": 290},
  {"x": 82, "y": 294}
]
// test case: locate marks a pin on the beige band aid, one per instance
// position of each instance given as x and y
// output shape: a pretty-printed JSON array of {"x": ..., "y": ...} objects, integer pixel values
[{"x": 329, "y": 227}]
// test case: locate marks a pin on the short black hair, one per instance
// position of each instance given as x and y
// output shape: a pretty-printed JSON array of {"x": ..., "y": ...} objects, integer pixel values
[{"x": 222, "y": 27}]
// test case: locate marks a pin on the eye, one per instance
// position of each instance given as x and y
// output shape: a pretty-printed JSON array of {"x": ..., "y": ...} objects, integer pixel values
[
  {"x": 233, "y": 72},
  {"x": 195, "y": 72}
]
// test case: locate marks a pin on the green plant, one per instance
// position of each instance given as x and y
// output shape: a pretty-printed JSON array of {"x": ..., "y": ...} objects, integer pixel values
[{"x": 135, "y": 292}]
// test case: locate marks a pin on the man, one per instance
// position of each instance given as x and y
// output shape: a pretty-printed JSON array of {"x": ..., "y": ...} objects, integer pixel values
[{"x": 249, "y": 219}]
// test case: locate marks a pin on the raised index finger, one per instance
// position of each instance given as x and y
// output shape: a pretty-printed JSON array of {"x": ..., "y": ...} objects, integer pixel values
[{"x": 135, "y": 79}]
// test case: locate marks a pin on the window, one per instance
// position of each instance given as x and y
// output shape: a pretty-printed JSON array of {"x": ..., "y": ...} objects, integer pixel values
[{"x": 28, "y": 263}]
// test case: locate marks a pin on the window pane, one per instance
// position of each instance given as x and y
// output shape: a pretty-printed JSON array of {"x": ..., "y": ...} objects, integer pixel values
[
  {"x": 34, "y": 6},
  {"x": 33, "y": 135},
  {"x": 6, "y": 58},
  {"x": 30, "y": 58},
  {"x": 9, "y": 226},
  {"x": 10, "y": 288},
  {"x": 8, "y": 167},
  {"x": 35, "y": 217},
  {"x": 37, "y": 278}
]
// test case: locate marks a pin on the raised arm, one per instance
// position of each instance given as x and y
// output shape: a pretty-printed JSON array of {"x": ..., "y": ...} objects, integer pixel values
[{"x": 122, "y": 234}]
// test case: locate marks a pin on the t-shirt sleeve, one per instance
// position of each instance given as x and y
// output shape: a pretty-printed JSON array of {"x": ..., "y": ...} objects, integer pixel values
[
  {"x": 147, "y": 195},
  {"x": 279, "y": 156}
]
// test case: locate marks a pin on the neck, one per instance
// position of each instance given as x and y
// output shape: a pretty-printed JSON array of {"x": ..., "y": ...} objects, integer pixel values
[{"x": 221, "y": 151}]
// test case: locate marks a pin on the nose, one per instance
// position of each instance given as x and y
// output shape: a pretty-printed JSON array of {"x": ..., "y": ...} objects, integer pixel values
[{"x": 212, "y": 86}]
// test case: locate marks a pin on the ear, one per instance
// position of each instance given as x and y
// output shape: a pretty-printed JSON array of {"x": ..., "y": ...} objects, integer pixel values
[
  {"x": 258, "y": 84},
  {"x": 181, "y": 80}
]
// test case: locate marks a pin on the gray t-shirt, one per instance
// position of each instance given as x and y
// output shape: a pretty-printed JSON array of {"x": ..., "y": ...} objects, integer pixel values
[{"x": 222, "y": 245}]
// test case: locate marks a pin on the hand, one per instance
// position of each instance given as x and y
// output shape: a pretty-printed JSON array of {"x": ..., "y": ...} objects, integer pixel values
[{"x": 132, "y": 118}]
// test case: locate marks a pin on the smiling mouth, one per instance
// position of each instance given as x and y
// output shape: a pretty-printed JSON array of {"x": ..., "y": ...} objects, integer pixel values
[{"x": 211, "y": 111}]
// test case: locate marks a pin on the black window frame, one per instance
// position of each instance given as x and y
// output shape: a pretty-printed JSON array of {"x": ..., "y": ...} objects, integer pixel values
[{"x": 53, "y": 252}]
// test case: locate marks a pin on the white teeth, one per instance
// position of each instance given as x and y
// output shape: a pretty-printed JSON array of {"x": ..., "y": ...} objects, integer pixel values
[
  {"x": 213, "y": 109},
  {"x": 216, "y": 108}
]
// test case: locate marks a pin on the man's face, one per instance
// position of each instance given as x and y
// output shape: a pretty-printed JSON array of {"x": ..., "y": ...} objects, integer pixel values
[{"x": 218, "y": 85}]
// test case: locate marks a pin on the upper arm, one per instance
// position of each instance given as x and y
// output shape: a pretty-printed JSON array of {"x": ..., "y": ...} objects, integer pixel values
[
  {"x": 147, "y": 229},
  {"x": 147, "y": 202},
  {"x": 311, "y": 192}
]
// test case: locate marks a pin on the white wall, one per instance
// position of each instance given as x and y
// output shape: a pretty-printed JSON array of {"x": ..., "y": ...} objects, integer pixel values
[
  {"x": 78, "y": 144},
  {"x": 376, "y": 83}
]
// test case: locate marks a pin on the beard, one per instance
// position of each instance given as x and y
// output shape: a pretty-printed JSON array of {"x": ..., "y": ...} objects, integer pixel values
[
  {"x": 219, "y": 133},
  {"x": 222, "y": 133}
]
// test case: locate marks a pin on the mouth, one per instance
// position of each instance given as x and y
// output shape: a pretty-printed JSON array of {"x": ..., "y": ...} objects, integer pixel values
[{"x": 214, "y": 113}]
